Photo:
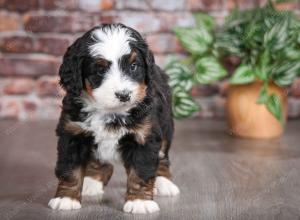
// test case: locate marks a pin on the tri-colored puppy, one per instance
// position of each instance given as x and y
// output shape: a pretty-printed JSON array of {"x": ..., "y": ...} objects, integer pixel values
[{"x": 117, "y": 107}]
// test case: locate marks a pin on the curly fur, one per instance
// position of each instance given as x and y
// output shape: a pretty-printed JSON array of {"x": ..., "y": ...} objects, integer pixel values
[{"x": 136, "y": 131}]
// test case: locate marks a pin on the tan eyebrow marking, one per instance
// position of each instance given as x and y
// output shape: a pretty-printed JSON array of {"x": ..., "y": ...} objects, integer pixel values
[
  {"x": 103, "y": 62},
  {"x": 132, "y": 57}
]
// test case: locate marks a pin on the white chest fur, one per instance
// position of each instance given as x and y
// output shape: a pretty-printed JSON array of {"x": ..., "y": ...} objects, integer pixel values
[{"x": 106, "y": 140}]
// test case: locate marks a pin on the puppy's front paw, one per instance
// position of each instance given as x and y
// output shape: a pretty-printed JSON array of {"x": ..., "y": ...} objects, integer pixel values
[
  {"x": 139, "y": 206},
  {"x": 165, "y": 187},
  {"x": 64, "y": 203},
  {"x": 92, "y": 187}
]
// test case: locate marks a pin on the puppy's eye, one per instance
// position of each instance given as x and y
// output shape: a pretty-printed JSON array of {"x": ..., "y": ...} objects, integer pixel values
[
  {"x": 133, "y": 67},
  {"x": 100, "y": 70}
]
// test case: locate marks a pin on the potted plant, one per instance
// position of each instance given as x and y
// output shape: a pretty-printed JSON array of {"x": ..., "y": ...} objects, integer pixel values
[{"x": 267, "y": 45}]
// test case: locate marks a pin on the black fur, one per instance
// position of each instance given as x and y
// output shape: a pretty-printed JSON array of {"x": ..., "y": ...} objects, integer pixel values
[{"x": 75, "y": 150}]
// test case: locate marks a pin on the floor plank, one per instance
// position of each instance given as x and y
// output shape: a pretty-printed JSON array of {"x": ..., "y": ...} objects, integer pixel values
[{"x": 220, "y": 177}]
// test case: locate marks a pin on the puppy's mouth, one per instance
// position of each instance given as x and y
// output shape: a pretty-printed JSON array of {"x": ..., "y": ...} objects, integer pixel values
[{"x": 120, "y": 108}]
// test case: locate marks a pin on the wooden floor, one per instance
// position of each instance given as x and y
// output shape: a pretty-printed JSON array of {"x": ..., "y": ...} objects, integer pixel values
[{"x": 220, "y": 177}]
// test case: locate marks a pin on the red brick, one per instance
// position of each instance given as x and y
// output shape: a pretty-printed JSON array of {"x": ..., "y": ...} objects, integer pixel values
[
  {"x": 29, "y": 66},
  {"x": 219, "y": 109},
  {"x": 132, "y": 4},
  {"x": 49, "y": 108},
  {"x": 82, "y": 22},
  {"x": 171, "y": 20},
  {"x": 52, "y": 45},
  {"x": 30, "y": 107},
  {"x": 293, "y": 108},
  {"x": 106, "y": 18},
  {"x": 295, "y": 89},
  {"x": 168, "y": 5},
  {"x": 205, "y": 5},
  {"x": 60, "y": 4},
  {"x": 10, "y": 108},
  {"x": 21, "y": 5},
  {"x": 141, "y": 21},
  {"x": 164, "y": 43},
  {"x": 58, "y": 23},
  {"x": 90, "y": 5},
  {"x": 292, "y": 5},
  {"x": 17, "y": 44},
  {"x": 286, "y": 6},
  {"x": 3, "y": 82},
  {"x": 223, "y": 88},
  {"x": 160, "y": 60},
  {"x": 43, "y": 23},
  {"x": 17, "y": 86},
  {"x": 42, "y": 44},
  {"x": 9, "y": 22},
  {"x": 49, "y": 86},
  {"x": 240, "y": 4},
  {"x": 204, "y": 90}
]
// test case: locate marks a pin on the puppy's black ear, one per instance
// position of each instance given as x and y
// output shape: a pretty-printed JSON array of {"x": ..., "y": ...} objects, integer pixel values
[
  {"x": 70, "y": 71},
  {"x": 150, "y": 66}
]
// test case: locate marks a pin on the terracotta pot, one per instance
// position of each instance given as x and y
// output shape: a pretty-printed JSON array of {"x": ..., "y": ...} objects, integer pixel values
[{"x": 248, "y": 119}]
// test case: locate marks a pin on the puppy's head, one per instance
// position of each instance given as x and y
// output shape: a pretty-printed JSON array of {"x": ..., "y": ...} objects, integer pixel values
[{"x": 112, "y": 64}]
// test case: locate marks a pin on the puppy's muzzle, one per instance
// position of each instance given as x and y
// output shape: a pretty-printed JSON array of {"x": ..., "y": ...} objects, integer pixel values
[{"x": 123, "y": 96}]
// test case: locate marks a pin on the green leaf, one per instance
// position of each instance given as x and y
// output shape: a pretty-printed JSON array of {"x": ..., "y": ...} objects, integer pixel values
[
  {"x": 179, "y": 75},
  {"x": 286, "y": 73},
  {"x": 209, "y": 70},
  {"x": 263, "y": 95},
  {"x": 243, "y": 74},
  {"x": 183, "y": 104},
  {"x": 195, "y": 41},
  {"x": 277, "y": 36},
  {"x": 292, "y": 53},
  {"x": 274, "y": 106},
  {"x": 205, "y": 21},
  {"x": 263, "y": 65}
]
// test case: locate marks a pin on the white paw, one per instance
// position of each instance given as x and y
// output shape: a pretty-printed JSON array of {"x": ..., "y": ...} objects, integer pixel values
[
  {"x": 165, "y": 187},
  {"x": 92, "y": 187},
  {"x": 139, "y": 206},
  {"x": 64, "y": 203}
]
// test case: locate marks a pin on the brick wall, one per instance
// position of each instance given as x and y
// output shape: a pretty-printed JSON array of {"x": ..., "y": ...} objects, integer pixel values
[{"x": 35, "y": 33}]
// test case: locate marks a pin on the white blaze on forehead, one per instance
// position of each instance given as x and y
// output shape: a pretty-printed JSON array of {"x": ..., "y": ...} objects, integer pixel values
[{"x": 111, "y": 42}]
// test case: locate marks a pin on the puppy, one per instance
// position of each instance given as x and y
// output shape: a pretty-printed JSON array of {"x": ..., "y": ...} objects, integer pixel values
[{"x": 117, "y": 107}]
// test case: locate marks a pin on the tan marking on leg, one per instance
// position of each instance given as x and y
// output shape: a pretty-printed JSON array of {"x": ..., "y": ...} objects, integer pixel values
[
  {"x": 163, "y": 148},
  {"x": 72, "y": 187},
  {"x": 163, "y": 169},
  {"x": 99, "y": 171},
  {"x": 138, "y": 188}
]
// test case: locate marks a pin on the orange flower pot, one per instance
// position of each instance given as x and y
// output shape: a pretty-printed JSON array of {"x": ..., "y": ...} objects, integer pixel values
[{"x": 248, "y": 119}]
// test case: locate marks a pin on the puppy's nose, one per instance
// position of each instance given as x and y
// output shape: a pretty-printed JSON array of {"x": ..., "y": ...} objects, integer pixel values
[{"x": 123, "y": 96}]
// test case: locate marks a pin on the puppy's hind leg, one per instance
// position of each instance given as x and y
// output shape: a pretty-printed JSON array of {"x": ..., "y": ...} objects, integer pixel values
[{"x": 163, "y": 185}]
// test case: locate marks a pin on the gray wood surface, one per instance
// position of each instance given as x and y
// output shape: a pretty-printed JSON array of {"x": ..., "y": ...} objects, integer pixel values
[{"x": 220, "y": 177}]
